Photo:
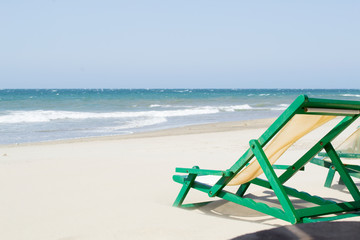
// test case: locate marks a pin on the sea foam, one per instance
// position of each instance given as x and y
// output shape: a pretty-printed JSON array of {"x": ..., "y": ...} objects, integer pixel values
[{"x": 51, "y": 115}]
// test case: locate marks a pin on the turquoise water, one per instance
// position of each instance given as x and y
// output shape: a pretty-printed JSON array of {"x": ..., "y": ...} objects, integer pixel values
[{"x": 31, "y": 115}]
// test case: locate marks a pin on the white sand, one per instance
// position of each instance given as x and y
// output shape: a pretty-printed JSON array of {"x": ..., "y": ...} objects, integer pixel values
[{"x": 122, "y": 188}]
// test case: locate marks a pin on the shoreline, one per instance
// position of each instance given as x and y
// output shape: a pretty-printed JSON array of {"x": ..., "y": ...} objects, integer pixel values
[{"x": 176, "y": 131}]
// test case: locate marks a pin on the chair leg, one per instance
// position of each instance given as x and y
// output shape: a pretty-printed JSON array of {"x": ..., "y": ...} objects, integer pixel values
[
  {"x": 330, "y": 176},
  {"x": 184, "y": 190},
  {"x": 341, "y": 182},
  {"x": 242, "y": 189}
]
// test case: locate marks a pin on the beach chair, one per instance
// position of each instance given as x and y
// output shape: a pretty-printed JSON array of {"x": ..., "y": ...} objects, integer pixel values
[
  {"x": 301, "y": 117},
  {"x": 349, "y": 152}
]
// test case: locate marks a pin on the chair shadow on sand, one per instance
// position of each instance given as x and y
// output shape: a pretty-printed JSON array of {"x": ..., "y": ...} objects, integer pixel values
[
  {"x": 229, "y": 210},
  {"x": 340, "y": 186},
  {"x": 307, "y": 231},
  {"x": 282, "y": 230}
]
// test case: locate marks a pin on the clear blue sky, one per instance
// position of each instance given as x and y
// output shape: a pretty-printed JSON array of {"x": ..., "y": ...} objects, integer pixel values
[{"x": 179, "y": 44}]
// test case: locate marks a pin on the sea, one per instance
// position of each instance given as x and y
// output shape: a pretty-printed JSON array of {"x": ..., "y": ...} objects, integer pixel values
[{"x": 38, "y": 115}]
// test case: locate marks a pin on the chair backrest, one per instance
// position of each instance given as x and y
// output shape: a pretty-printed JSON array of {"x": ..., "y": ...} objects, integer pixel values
[
  {"x": 298, "y": 126},
  {"x": 301, "y": 117}
]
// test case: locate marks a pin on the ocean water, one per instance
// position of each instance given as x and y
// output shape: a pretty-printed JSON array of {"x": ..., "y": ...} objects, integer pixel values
[{"x": 33, "y": 115}]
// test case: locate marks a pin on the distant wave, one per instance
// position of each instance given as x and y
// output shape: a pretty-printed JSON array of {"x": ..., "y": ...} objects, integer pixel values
[
  {"x": 350, "y": 95},
  {"x": 137, "y": 123},
  {"x": 260, "y": 94},
  {"x": 220, "y": 108},
  {"x": 160, "y": 106},
  {"x": 182, "y": 91},
  {"x": 235, "y": 108},
  {"x": 280, "y": 107}
]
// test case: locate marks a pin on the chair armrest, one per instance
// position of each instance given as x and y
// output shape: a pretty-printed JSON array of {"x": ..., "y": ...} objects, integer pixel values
[{"x": 226, "y": 173}]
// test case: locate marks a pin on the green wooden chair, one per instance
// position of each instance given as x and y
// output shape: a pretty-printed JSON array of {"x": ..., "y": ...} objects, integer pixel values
[
  {"x": 348, "y": 151},
  {"x": 301, "y": 117}
]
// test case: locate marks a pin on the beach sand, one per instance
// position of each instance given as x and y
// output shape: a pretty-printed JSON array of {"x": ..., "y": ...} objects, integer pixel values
[{"x": 121, "y": 187}]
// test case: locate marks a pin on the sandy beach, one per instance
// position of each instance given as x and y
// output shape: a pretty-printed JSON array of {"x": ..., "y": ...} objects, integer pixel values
[{"x": 121, "y": 187}]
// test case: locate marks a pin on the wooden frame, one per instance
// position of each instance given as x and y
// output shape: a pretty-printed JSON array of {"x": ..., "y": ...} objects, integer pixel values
[{"x": 302, "y": 105}]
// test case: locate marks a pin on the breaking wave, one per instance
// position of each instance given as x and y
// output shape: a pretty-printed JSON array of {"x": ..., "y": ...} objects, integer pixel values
[{"x": 51, "y": 115}]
